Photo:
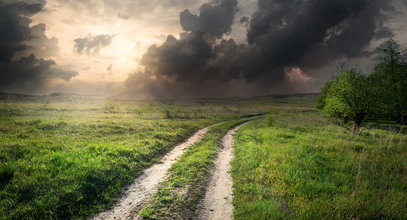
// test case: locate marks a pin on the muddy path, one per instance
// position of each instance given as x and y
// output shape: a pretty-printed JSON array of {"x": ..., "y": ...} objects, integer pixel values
[
  {"x": 146, "y": 185},
  {"x": 217, "y": 203}
]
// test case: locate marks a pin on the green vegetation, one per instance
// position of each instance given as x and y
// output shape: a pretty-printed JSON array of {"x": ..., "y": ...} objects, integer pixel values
[
  {"x": 390, "y": 81},
  {"x": 300, "y": 166},
  {"x": 357, "y": 97},
  {"x": 70, "y": 156},
  {"x": 349, "y": 98},
  {"x": 179, "y": 195}
]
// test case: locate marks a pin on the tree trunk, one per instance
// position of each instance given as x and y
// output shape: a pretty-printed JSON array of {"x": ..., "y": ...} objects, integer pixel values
[{"x": 356, "y": 127}]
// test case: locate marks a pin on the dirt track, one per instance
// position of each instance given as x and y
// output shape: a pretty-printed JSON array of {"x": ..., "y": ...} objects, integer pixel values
[
  {"x": 145, "y": 186},
  {"x": 217, "y": 203}
]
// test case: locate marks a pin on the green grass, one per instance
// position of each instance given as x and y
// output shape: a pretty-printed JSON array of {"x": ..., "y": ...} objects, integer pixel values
[
  {"x": 71, "y": 156},
  {"x": 179, "y": 195},
  {"x": 296, "y": 165}
]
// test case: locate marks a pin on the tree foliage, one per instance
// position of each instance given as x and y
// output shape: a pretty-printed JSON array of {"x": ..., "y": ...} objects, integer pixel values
[
  {"x": 390, "y": 77},
  {"x": 347, "y": 99},
  {"x": 353, "y": 97}
]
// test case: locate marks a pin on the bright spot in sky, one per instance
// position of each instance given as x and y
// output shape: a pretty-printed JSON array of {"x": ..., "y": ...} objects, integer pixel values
[{"x": 296, "y": 77}]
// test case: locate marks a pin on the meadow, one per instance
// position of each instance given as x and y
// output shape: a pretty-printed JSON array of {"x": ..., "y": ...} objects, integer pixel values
[
  {"x": 295, "y": 164},
  {"x": 68, "y": 156}
]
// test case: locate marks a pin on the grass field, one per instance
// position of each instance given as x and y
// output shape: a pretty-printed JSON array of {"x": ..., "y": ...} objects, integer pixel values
[
  {"x": 70, "y": 156},
  {"x": 296, "y": 165}
]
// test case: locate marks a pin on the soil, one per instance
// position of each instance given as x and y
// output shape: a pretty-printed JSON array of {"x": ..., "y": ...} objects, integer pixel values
[{"x": 217, "y": 203}]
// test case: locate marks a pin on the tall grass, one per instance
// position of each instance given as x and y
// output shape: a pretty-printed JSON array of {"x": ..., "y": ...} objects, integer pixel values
[{"x": 302, "y": 167}]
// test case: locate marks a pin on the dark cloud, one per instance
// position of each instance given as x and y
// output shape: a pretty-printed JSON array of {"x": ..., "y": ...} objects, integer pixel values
[
  {"x": 187, "y": 58},
  {"x": 282, "y": 34},
  {"x": 30, "y": 73},
  {"x": 91, "y": 45},
  {"x": 42, "y": 45},
  {"x": 244, "y": 20},
  {"x": 20, "y": 46},
  {"x": 214, "y": 20},
  {"x": 185, "y": 61},
  {"x": 312, "y": 33},
  {"x": 14, "y": 26},
  {"x": 383, "y": 32}
]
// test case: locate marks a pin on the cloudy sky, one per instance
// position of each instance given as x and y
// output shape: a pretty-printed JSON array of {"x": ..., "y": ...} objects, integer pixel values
[{"x": 183, "y": 48}]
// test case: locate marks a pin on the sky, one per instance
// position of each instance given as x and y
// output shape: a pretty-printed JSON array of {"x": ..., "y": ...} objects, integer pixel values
[{"x": 189, "y": 48}]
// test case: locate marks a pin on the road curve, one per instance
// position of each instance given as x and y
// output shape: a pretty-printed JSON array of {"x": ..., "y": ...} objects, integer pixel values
[
  {"x": 217, "y": 203},
  {"x": 146, "y": 185}
]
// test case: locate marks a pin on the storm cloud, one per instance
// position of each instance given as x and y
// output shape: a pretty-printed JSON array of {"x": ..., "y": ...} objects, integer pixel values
[
  {"x": 20, "y": 45},
  {"x": 282, "y": 35},
  {"x": 223, "y": 47},
  {"x": 91, "y": 45},
  {"x": 186, "y": 61}
]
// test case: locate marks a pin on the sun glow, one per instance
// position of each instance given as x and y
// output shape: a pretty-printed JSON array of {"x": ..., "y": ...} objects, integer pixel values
[{"x": 111, "y": 63}]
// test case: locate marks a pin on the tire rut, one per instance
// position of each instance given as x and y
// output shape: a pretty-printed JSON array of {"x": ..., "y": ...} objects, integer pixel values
[
  {"x": 146, "y": 185},
  {"x": 217, "y": 203}
]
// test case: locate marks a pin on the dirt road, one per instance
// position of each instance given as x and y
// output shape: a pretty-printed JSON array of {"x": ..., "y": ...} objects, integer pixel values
[
  {"x": 145, "y": 186},
  {"x": 217, "y": 203}
]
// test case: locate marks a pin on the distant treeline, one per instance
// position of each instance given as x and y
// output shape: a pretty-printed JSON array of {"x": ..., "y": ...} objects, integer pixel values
[{"x": 354, "y": 97}]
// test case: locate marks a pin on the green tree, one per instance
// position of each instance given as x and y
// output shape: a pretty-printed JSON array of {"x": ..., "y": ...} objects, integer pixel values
[
  {"x": 390, "y": 77},
  {"x": 348, "y": 99},
  {"x": 325, "y": 91}
]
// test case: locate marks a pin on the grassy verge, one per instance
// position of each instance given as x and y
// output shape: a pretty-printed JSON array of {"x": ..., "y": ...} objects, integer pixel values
[
  {"x": 299, "y": 166},
  {"x": 179, "y": 195},
  {"x": 71, "y": 171}
]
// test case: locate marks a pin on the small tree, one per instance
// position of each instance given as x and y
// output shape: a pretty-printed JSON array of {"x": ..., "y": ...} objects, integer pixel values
[{"x": 348, "y": 99}]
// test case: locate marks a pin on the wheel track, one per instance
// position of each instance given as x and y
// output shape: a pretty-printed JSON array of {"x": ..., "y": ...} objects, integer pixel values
[
  {"x": 217, "y": 203},
  {"x": 146, "y": 185}
]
